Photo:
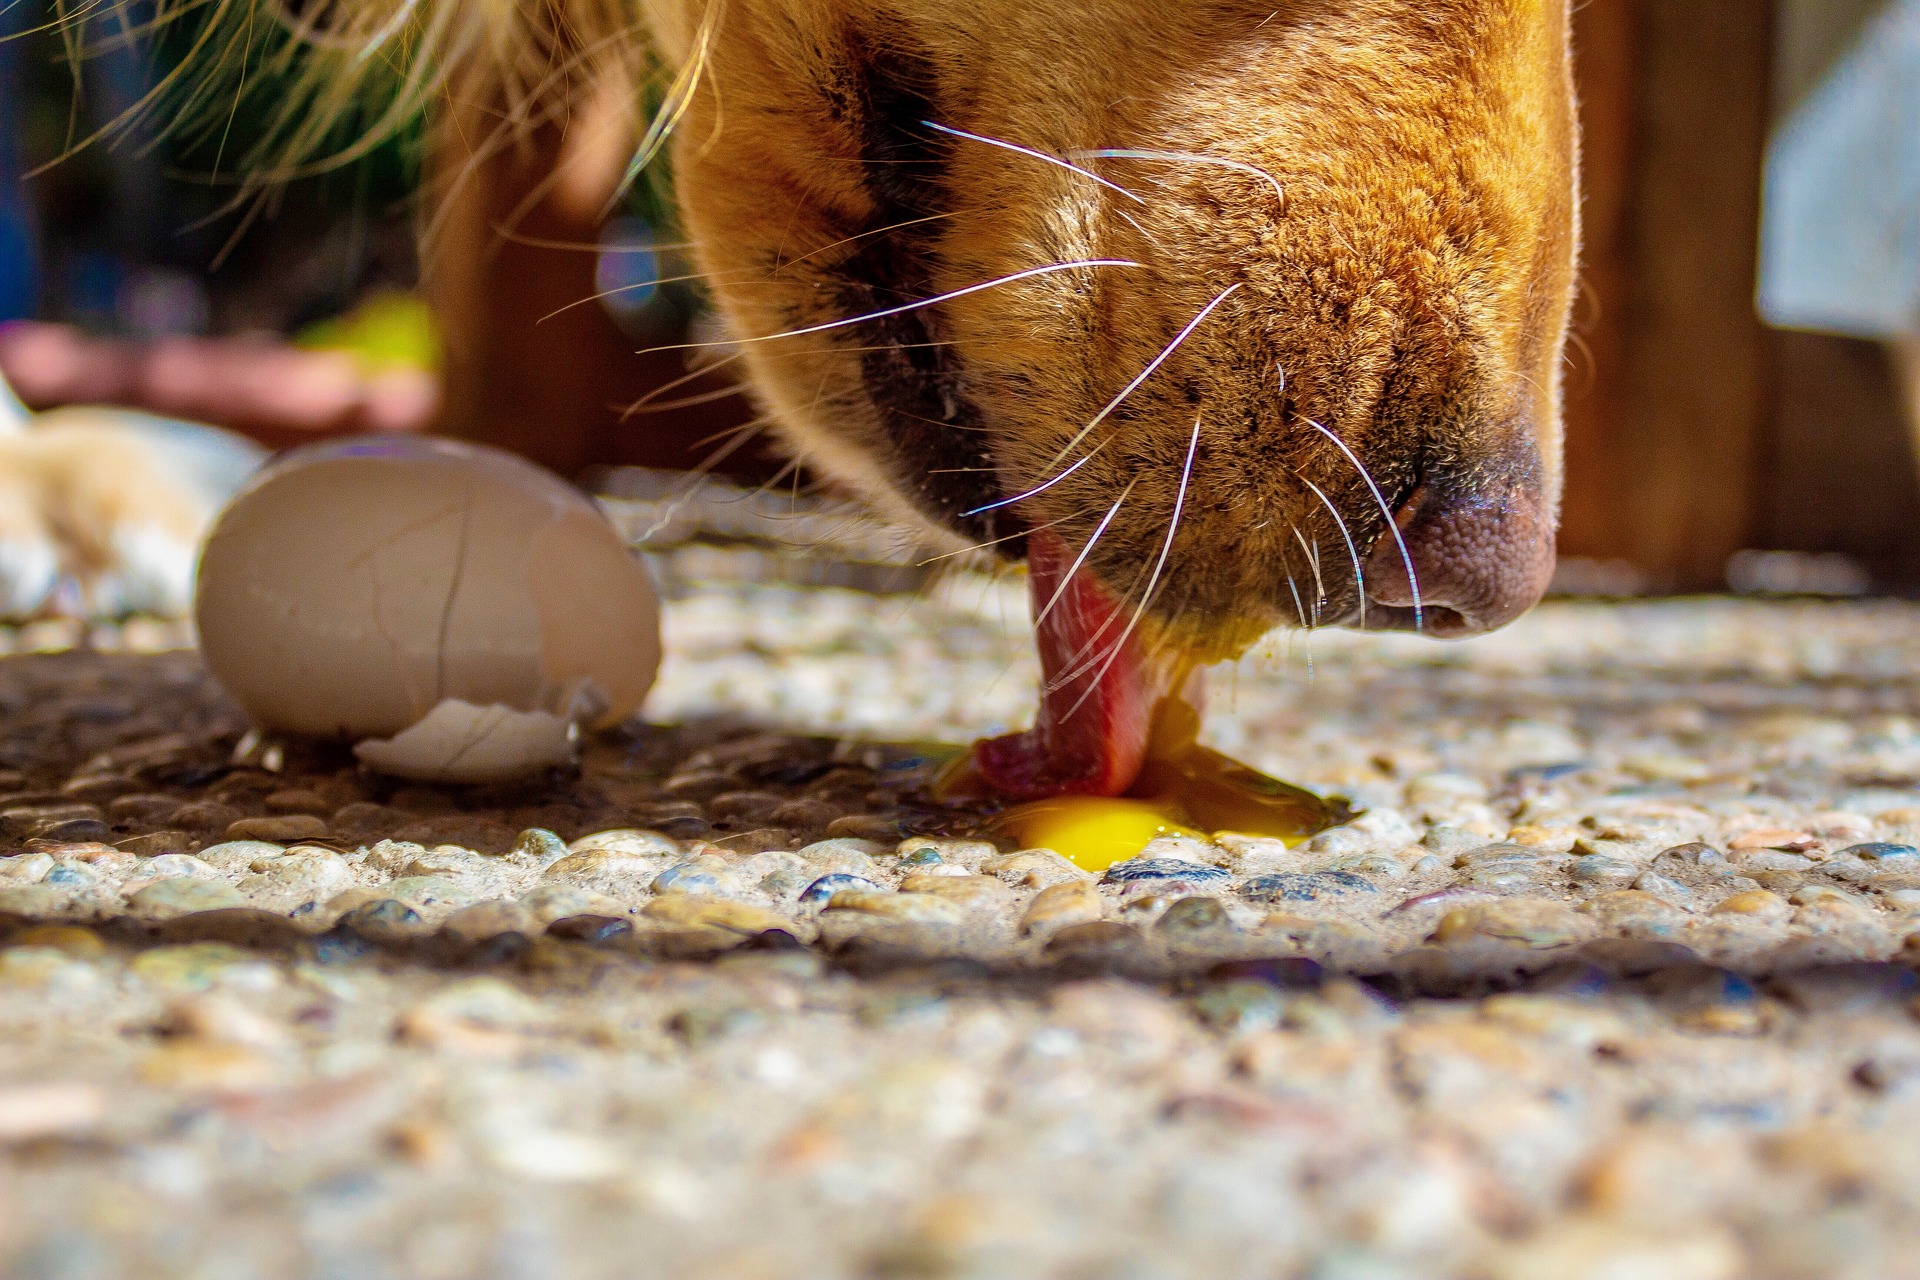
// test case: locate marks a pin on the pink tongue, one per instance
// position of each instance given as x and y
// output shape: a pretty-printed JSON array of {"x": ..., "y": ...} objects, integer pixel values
[{"x": 1096, "y": 705}]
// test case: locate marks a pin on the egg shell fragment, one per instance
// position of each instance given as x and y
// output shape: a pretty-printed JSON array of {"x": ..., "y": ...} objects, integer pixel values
[{"x": 355, "y": 587}]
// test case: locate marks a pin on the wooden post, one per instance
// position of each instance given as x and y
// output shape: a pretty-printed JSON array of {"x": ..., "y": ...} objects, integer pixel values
[{"x": 1665, "y": 451}]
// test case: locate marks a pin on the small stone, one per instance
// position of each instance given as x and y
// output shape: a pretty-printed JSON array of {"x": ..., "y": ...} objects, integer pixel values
[
  {"x": 1758, "y": 904},
  {"x": 141, "y": 809},
  {"x": 166, "y": 899},
  {"x": 1700, "y": 856},
  {"x": 33, "y": 900},
  {"x": 204, "y": 815},
  {"x": 921, "y": 858},
  {"x": 193, "y": 967},
  {"x": 1547, "y": 839},
  {"x": 169, "y": 865},
  {"x": 430, "y": 892},
  {"x": 361, "y": 820},
  {"x": 1635, "y": 913},
  {"x": 855, "y": 856},
  {"x": 1058, "y": 906},
  {"x": 72, "y": 940},
  {"x": 549, "y": 903},
  {"x": 1344, "y": 841},
  {"x": 688, "y": 910},
  {"x": 1539, "y": 923},
  {"x": 604, "y": 871},
  {"x": 1236, "y": 1008},
  {"x": 240, "y": 854},
  {"x": 25, "y": 868},
  {"x": 1194, "y": 916},
  {"x": 1451, "y": 842},
  {"x": 1670, "y": 891},
  {"x": 1094, "y": 937},
  {"x": 1774, "y": 838},
  {"x": 382, "y": 920},
  {"x": 74, "y": 830},
  {"x": 484, "y": 920},
  {"x": 1880, "y": 852},
  {"x": 283, "y": 829},
  {"x": 1033, "y": 869},
  {"x": 1316, "y": 886},
  {"x": 295, "y": 800},
  {"x": 632, "y": 841},
  {"x": 1601, "y": 869},
  {"x": 821, "y": 891},
  {"x": 689, "y": 877},
  {"x": 304, "y": 874},
  {"x": 33, "y": 820},
  {"x": 156, "y": 843},
  {"x": 963, "y": 888},
  {"x": 208, "y": 1066},
  {"x": 1165, "y": 875},
  {"x": 914, "y": 908},
  {"x": 590, "y": 929},
  {"x": 865, "y": 827},
  {"x": 538, "y": 846}
]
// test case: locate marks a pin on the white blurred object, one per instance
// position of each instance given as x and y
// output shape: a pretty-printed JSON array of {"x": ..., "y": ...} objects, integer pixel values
[
  {"x": 1840, "y": 241},
  {"x": 102, "y": 510}
]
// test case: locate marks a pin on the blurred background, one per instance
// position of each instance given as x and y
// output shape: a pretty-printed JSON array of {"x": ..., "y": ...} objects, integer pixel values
[{"x": 1743, "y": 397}]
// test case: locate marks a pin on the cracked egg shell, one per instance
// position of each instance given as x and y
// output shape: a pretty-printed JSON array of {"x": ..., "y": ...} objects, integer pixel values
[{"x": 353, "y": 586}]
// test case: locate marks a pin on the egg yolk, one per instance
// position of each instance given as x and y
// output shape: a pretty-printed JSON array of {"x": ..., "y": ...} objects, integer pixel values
[{"x": 1183, "y": 789}]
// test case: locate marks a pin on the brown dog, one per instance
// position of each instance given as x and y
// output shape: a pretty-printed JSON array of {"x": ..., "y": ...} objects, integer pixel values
[{"x": 1237, "y": 315}]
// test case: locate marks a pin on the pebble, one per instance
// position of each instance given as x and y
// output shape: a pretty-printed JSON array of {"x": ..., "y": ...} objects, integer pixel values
[
  {"x": 429, "y": 893},
  {"x": 550, "y": 902},
  {"x": 590, "y": 929},
  {"x": 25, "y": 868},
  {"x": 1033, "y": 869},
  {"x": 1635, "y": 913},
  {"x": 1067, "y": 903},
  {"x": 281, "y": 829},
  {"x": 855, "y": 856},
  {"x": 197, "y": 966},
  {"x": 204, "y": 815},
  {"x": 304, "y": 874},
  {"x": 33, "y": 899},
  {"x": 485, "y": 920},
  {"x": 382, "y": 919},
  {"x": 1539, "y": 923},
  {"x": 538, "y": 846},
  {"x": 1305, "y": 887},
  {"x": 1165, "y": 875},
  {"x": 821, "y": 891},
  {"x": 631, "y": 841},
  {"x": 73, "y": 940},
  {"x": 914, "y": 908},
  {"x": 1601, "y": 869},
  {"x": 1194, "y": 917},
  {"x": 139, "y": 809},
  {"x": 1879, "y": 852},
  {"x": 688, "y": 910},
  {"x": 184, "y": 895},
  {"x": 604, "y": 871},
  {"x": 961, "y": 888},
  {"x": 1758, "y": 904},
  {"x": 234, "y": 855},
  {"x": 1773, "y": 838},
  {"x": 690, "y": 877}
]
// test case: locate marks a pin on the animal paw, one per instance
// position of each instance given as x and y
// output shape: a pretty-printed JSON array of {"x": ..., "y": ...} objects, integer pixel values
[{"x": 102, "y": 511}]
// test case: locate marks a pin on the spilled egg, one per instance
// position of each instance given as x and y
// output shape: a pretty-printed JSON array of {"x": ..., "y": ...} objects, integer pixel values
[{"x": 455, "y": 611}]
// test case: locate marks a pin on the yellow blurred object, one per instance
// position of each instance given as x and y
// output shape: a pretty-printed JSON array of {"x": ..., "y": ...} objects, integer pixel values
[
  {"x": 1090, "y": 833},
  {"x": 1184, "y": 789},
  {"x": 387, "y": 330}
]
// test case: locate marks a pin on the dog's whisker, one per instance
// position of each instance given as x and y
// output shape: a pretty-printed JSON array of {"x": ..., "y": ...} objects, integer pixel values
[
  {"x": 1153, "y": 582},
  {"x": 1085, "y": 551},
  {"x": 1153, "y": 365},
  {"x": 1039, "y": 489},
  {"x": 1353, "y": 551},
  {"x": 904, "y": 308},
  {"x": 1069, "y": 166},
  {"x": 1393, "y": 526},
  {"x": 1183, "y": 157}
]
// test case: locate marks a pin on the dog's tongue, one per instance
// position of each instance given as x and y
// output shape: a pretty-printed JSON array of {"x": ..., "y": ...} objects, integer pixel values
[{"x": 1098, "y": 691}]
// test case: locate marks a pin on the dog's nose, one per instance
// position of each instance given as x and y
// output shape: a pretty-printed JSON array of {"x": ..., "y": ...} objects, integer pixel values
[{"x": 1473, "y": 555}]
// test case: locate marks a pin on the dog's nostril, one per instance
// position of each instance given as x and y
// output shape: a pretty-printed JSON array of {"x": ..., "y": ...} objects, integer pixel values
[{"x": 1480, "y": 557}]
